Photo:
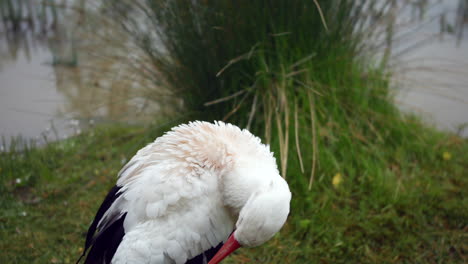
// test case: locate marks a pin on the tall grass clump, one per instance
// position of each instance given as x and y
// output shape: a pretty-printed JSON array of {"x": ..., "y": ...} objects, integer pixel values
[
  {"x": 295, "y": 72},
  {"x": 301, "y": 74}
]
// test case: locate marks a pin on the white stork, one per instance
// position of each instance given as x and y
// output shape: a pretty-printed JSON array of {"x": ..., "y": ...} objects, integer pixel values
[{"x": 180, "y": 198}]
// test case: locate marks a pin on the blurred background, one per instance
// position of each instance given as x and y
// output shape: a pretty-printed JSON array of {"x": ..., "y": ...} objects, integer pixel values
[
  {"x": 58, "y": 76},
  {"x": 365, "y": 104}
]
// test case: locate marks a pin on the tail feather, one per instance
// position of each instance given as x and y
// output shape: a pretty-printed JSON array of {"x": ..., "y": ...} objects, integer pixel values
[
  {"x": 105, "y": 245},
  {"x": 93, "y": 238}
]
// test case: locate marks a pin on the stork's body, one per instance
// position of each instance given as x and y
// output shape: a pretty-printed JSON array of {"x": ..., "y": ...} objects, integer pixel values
[{"x": 179, "y": 198}]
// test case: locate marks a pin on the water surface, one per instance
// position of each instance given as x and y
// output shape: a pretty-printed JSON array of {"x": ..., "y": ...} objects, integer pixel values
[
  {"x": 51, "y": 87},
  {"x": 432, "y": 77},
  {"x": 55, "y": 80}
]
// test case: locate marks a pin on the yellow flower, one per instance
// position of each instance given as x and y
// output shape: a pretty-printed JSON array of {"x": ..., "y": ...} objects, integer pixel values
[
  {"x": 337, "y": 179},
  {"x": 447, "y": 155}
]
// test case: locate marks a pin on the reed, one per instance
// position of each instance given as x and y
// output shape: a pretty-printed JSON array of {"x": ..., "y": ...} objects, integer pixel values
[{"x": 275, "y": 67}]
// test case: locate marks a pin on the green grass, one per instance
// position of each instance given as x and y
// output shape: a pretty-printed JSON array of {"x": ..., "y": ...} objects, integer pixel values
[
  {"x": 50, "y": 194},
  {"x": 413, "y": 210}
]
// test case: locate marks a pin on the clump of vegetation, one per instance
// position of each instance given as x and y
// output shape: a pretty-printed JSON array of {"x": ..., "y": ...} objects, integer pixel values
[
  {"x": 275, "y": 67},
  {"x": 370, "y": 185}
]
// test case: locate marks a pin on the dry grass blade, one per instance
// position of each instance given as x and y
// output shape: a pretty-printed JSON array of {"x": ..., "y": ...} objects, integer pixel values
[
  {"x": 268, "y": 113},
  {"x": 229, "y": 97},
  {"x": 286, "y": 135},
  {"x": 252, "y": 111},
  {"x": 280, "y": 34},
  {"x": 245, "y": 56},
  {"x": 314, "y": 140},
  {"x": 296, "y": 133},
  {"x": 283, "y": 108},
  {"x": 291, "y": 74},
  {"x": 235, "y": 109},
  {"x": 321, "y": 15},
  {"x": 303, "y": 60},
  {"x": 282, "y": 144}
]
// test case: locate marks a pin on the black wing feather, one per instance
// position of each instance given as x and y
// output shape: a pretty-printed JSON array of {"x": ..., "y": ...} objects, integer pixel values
[
  {"x": 107, "y": 231},
  {"x": 106, "y": 243}
]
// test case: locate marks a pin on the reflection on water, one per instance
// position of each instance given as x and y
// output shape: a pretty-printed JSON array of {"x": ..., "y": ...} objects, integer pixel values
[
  {"x": 57, "y": 75},
  {"x": 65, "y": 66},
  {"x": 28, "y": 100},
  {"x": 431, "y": 59}
]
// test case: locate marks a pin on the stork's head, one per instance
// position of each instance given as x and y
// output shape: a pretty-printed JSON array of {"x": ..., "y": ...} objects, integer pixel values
[
  {"x": 264, "y": 214},
  {"x": 260, "y": 218}
]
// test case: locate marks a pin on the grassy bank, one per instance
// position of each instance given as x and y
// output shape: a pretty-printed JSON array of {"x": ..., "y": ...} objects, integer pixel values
[
  {"x": 413, "y": 212},
  {"x": 50, "y": 193}
]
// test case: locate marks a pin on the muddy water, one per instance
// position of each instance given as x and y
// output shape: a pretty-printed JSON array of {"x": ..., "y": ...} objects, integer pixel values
[
  {"x": 55, "y": 81},
  {"x": 51, "y": 88},
  {"x": 29, "y": 102}
]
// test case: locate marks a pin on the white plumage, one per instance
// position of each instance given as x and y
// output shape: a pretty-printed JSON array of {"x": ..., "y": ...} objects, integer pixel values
[{"x": 186, "y": 192}]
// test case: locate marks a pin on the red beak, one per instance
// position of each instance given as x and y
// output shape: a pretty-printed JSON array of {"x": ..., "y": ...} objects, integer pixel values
[{"x": 228, "y": 247}]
